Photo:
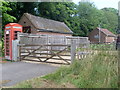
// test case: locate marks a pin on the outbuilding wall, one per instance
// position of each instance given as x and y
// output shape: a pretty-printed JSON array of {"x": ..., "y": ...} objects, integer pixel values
[
  {"x": 103, "y": 37},
  {"x": 24, "y": 21},
  {"x": 91, "y": 36},
  {"x": 110, "y": 39}
]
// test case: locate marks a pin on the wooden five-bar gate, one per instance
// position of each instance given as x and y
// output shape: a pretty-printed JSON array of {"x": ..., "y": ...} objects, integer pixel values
[
  {"x": 49, "y": 49},
  {"x": 43, "y": 53}
]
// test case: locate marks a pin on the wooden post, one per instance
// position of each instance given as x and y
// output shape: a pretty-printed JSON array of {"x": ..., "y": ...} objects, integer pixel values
[
  {"x": 19, "y": 53},
  {"x": 73, "y": 50}
]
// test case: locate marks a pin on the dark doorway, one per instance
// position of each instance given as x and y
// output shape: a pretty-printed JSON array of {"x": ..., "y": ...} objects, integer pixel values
[{"x": 27, "y": 29}]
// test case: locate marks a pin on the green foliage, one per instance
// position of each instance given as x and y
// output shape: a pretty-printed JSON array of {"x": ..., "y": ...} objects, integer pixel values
[
  {"x": 115, "y": 11},
  {"x": 19, "y": 8},
  {"x": 59, "y": 11},
  {"x": 88, "y": 15},
  {"x": 111, "y": 19},
  {"x": 5, "y": 16}
]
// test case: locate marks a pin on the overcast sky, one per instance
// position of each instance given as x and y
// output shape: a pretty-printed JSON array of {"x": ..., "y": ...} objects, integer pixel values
[{"x": 103, "y": 3}]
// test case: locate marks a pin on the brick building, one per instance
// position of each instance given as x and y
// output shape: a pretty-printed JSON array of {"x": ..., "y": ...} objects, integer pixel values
[
  {"x": 100, "y": 35},
  {"x": 38, "y": 25}
]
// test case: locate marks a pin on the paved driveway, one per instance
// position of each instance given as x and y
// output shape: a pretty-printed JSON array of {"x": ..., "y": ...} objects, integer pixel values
[{"x": 14, "y": 72}]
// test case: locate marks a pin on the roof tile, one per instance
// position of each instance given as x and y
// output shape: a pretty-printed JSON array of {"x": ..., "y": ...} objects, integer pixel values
[
  {"x": 47, "y": 24},
  {"x": 106, "y": 31}
]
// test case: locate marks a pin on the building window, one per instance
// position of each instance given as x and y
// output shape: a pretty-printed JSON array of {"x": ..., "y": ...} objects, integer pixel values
[
  {"x": 27, "y": 29},
  {"x": 96, "y": 36}
]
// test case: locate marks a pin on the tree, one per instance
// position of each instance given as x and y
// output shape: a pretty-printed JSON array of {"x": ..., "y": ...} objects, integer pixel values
[
  {"x": 59, "y": 11},
  {"x": 111, "y": 17},
  {"x": 89, "y": 17},
  {"x": 113, "y": 10},
  {"x": 19, "y": 8},
  {"x": 5, "y": 8}
]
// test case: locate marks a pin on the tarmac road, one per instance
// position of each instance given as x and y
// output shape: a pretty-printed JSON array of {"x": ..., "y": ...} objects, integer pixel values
[{"x": 15, "y": 72}]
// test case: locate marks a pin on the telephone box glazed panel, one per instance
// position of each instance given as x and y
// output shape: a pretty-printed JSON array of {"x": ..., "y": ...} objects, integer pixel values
[{"x": 10, "y": 34}]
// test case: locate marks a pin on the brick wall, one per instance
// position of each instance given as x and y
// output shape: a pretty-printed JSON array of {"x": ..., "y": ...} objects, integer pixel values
[
  {"x": 110, "y": 39},
  {"x": 94, "y": 37}
]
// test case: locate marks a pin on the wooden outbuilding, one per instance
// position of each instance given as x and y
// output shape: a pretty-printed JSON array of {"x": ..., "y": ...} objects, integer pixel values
[
  {"x": 38, "y": 25},
  {"x": 100, "y": 35}
]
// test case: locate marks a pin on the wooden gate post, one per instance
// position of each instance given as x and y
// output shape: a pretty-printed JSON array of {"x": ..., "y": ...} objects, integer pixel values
[
  {"x": 73, "y": 50},
  {"x": 19, "y": 53},
  {"x": 15, "y": 50}
]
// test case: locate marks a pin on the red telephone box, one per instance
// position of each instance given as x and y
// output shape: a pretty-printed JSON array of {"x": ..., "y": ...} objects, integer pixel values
[{"x": 10, "y": 34}]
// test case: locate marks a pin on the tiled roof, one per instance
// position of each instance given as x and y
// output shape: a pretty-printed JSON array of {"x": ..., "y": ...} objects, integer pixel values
[
  {"x": 106, "y": 31},
  {"x": 43, "y": 24}
]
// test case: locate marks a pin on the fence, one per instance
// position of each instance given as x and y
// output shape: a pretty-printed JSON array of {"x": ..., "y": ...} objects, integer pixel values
[
  {"x": 48, "y": 39},
  {"x": 103, "y": 46},
  {"x": 46, "y": 48}
]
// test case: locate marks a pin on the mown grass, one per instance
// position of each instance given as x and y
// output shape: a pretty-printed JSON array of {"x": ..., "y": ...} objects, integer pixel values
[{"x": 97, "y": 71}]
